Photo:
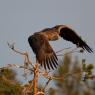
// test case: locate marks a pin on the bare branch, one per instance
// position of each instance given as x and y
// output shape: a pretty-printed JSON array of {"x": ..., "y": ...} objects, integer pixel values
[
  {"x": 25, "y": 54},
  {"x": 35, "y": 70},
  {"x": 62, "y": 50},
  {"x": 40, "y": 93},
  {"x": 18, "y": 66},
  {"x": 47, "y": 84},
  {"x": 72, "y": 51}
]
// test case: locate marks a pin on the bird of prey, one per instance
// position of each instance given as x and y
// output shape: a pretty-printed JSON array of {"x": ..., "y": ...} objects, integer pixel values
[{"x": 45, "y": 55}]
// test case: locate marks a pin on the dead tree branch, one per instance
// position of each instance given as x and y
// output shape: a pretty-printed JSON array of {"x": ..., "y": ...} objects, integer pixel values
[{"x": 35, "y": 69}]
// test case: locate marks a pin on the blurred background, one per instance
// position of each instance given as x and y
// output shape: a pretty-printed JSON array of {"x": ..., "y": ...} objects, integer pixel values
[{"x": 21, "y": 18}]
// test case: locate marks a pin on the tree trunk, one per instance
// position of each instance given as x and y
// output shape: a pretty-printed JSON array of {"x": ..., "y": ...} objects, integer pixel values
[{"x": 36, "y": 71}]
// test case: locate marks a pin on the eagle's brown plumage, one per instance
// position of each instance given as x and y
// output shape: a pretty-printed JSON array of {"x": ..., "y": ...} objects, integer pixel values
[{"x": 45, "y": 55}]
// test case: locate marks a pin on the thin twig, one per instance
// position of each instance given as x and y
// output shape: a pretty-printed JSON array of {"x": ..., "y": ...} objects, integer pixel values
[
  {"x": 72, "y": 51},
  {"x": 13, "y": 48},
  {"x": 17, "y": 66},
  {"x": 62, "y": 50},
  {"x": 25, "y": 54},
  {"x": 47, "y": 84}
]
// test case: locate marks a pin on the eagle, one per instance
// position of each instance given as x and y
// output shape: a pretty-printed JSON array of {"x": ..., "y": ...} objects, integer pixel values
[{"x": 45, "y": 55}]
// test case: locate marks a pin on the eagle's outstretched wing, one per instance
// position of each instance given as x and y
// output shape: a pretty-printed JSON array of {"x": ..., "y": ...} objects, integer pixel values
[
  {"x": 70, "y": 35},
  {"x": 44, "y": 52}
]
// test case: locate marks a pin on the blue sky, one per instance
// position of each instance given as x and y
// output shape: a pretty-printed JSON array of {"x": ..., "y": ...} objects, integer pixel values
[{"x": 21, "y": 18}]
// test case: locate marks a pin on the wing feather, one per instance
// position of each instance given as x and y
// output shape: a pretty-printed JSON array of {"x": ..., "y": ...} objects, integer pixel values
[
  {"x": 44, "y": 52},
  {"x": 48, "y": 64},
  {"x": 70, "y": 35}
]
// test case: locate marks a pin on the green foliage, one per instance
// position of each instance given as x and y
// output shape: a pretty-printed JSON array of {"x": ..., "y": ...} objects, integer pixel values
[
  {"x": 8, "y": 83},
  {"x": 8, "y": 73},
  {"x": 72, "y": 79},
  {"x": 88, "y": 69},
  {"x": 52, "y": 91}
]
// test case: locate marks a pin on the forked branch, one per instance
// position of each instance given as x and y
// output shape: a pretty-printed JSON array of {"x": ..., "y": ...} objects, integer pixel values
[{"x": 35, "y": 69}]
